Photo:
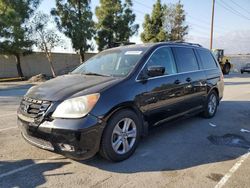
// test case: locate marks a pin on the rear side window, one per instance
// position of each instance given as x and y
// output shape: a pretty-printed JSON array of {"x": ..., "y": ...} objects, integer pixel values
[
  {"x": 163, "y": 57},
  {"x": 207, "y": 59},
  {"x": 185, "y": 59}
]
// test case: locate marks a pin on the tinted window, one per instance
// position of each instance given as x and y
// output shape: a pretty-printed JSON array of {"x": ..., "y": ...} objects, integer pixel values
[
  {"x": 185, "y": 59},
  {"x": 207, "y": 59},
  {"x": 163, "y": 57}
]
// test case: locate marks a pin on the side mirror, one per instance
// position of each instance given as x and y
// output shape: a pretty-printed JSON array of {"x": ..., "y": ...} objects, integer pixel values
[{"x": 153, "y": 71}]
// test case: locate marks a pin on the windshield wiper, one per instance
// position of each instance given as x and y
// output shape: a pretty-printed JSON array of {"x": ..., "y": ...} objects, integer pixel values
[{"x": 96, "y": 74}]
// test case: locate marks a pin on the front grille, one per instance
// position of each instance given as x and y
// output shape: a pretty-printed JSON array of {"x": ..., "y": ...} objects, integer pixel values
[{"x": 33, "y": 108}]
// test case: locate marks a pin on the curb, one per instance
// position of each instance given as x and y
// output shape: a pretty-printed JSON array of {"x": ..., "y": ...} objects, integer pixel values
[{"x": 11, "y": 79}]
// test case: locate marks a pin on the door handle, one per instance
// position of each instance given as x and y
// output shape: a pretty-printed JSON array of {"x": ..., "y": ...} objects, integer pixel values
[
  {"x": 188, "y": 79},
  {"x": 177, "y": 81}
]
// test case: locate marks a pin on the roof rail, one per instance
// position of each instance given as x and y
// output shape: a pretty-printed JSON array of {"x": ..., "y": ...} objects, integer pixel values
[
  {"x": 187, "y": 43},
  {"x": 122, "y": 43}
]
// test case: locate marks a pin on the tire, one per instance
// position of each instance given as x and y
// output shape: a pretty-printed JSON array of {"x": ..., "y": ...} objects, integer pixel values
[
  {"x": 114, "y": 145},
  {"x": 226, "y": 68},
  {"x": 212, "y": 99},
  {"x": 241, "y": 72}
]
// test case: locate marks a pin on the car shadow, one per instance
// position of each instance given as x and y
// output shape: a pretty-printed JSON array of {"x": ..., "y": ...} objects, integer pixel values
[
  {"x": 188, "y": 143},
  {"x": 15, "y": 174}
]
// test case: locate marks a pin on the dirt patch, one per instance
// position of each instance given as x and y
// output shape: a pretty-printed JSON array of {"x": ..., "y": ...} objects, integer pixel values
[
  {"x": 39, "y": 78},
  {"x": 215, "y": 177}
]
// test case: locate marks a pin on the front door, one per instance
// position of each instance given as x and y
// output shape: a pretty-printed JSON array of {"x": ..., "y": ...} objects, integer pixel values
[{"x": 164, "y": 94}]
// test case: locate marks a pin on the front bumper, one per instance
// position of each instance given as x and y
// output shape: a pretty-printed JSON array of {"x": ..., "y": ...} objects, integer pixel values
[{"x": 74, "y": 138}]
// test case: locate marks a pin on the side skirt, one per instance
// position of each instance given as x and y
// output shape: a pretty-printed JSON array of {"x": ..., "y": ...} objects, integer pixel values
[{"x": 188, "y": 113}]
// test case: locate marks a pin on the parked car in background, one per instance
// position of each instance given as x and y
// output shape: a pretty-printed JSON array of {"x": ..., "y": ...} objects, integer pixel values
[
  {"x": 245, "y": 68},
  {"x": 107, "y": 103}
]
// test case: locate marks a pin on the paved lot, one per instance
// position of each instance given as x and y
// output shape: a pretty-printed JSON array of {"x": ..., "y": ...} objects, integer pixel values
[{"x": 194, "y": 152}]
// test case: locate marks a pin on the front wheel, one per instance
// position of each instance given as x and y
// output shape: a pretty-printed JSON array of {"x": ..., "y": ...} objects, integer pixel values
[
  {"x": 211, "y": 105},
  {"x": 121, "y": 136},
  {"x": 226, "y": 68}
]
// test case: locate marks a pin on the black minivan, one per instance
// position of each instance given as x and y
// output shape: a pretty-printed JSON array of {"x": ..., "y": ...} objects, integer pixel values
[{"x": 107, "y": 103}]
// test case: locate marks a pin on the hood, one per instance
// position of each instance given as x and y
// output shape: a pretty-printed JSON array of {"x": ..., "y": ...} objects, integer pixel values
[{"x": 64, "y": 86}]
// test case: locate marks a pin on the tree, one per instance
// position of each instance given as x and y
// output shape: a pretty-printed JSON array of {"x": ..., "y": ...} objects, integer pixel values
[
  {"x": 14, "y": 32},
  {"x": 74, "y": 19},
  {"x": 153, "y": 25},
  {"x": 115, "y": 22},
  {"x": 174, "y": 22},
  {"x": 46, "y": 38}
]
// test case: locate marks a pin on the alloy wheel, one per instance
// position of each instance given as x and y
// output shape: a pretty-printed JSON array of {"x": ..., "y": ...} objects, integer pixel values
[
  {"x": 124, "y": 136},
  {"x": 212, "y": 104}
]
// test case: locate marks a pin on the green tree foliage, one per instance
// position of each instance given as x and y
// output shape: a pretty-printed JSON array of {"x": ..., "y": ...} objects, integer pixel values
[
  {"x": 153, "y": 24},
  {"x": 14, "y": 31},
  {"x": 174, "y": 22},
  {"x": 45, "y": 37},
  {"x": 115, "y": 22},
  {"x": 166, "y": 23},
  {"x": 74, "y": 19}
]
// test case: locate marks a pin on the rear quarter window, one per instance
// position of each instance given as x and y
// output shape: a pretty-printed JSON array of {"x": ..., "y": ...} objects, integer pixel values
[
  {"x": 207, "y": 59},
  {"x": 185, "y": 59}
]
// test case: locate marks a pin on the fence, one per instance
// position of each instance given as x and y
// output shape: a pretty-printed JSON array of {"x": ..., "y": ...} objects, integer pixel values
[
  {"x": 239, "y": 61},
  {"x": 37, "y": 63}
]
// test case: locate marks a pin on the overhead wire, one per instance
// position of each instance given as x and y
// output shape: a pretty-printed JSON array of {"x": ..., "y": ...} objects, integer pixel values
[
  {"x": 202, "y": 26},
  {"x": 247, "y": 11},
  {"x": 229, "y": 8}
]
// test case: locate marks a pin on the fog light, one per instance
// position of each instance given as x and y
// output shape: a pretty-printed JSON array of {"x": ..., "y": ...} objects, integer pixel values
[{"x": 66, "y": 147}]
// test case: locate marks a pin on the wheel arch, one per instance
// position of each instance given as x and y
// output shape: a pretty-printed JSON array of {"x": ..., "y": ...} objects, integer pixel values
[
  {"x": 129, "y": 106},
  {"x": 214, "y": 89}
]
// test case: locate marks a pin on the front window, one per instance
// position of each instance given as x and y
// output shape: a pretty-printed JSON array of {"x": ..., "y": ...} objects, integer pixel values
[
  {"x": 116, "y": 62},
  {"x": 163, "y": 57}
]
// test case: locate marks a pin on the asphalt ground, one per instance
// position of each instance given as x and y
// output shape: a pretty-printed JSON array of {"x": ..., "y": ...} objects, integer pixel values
[{"x": 192, "y": 152}]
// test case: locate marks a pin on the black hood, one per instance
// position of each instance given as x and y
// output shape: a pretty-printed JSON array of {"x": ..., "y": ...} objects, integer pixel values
[{"x": 64, "y": 86}]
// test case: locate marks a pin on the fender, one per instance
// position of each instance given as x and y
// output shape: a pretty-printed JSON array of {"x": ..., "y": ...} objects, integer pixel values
[{"x": 132, "y": 106}]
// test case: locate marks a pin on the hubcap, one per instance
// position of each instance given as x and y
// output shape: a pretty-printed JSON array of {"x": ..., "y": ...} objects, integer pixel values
[
  {"x": 212, "y": 104},
  {"x": 124, "y": 136}
]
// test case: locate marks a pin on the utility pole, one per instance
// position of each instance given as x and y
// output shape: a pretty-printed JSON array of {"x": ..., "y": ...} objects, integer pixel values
[{"x": 212, "y": 26}]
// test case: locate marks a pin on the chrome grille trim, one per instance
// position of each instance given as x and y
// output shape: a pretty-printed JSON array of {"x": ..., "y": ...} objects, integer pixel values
[{"x": 34, "y": 108}]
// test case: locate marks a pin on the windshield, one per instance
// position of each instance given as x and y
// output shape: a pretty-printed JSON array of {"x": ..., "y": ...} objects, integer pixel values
[{"x": 116, "y": 62}]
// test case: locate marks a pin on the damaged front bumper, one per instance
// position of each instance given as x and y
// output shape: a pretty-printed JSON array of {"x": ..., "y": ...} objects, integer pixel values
[{"x": 74, "y": 138}]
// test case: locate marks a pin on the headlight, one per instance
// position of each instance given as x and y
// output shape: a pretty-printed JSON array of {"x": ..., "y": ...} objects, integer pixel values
[{"x": 76, "y": 107}]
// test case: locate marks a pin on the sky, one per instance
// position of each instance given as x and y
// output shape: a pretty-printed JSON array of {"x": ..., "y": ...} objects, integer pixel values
[{"x": 231, "y": 22}]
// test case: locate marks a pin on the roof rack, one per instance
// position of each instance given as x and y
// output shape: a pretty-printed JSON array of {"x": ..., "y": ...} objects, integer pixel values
[
  {"x": 122, "y": 43},
  {"x": 187, "y": 43}
]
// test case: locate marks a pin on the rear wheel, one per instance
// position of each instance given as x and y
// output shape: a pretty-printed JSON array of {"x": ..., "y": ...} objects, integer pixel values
[
  {"x": 211, "y": 105},
  {"x": 121, "y": 136},
  {"x": 226, "y": 68}
]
